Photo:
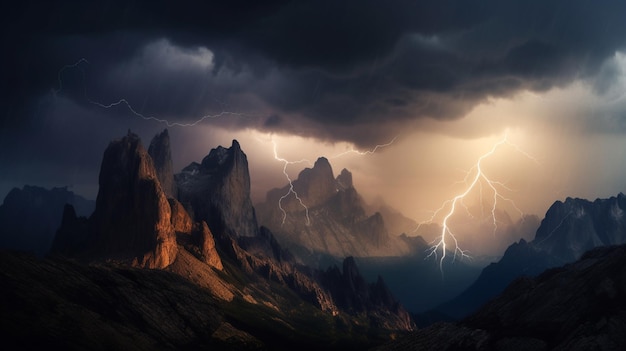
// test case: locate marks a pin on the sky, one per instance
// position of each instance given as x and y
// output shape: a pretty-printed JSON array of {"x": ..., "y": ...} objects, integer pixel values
[{"x": 436, "y": 83}]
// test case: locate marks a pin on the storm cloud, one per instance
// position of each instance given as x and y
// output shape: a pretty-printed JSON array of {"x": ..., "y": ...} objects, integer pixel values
[
  {"x": 345, "y": 73},
  {"x": 324, "y": 65}
]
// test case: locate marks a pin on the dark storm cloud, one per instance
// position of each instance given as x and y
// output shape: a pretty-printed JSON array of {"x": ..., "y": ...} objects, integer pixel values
[{"x": 330, "y": 69}]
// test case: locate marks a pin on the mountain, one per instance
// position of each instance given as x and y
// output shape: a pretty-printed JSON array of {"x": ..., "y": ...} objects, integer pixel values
[
  {"x": 578, "y": 306},
  {"x": 568, "y": 229},
  {"x": 572, "y": 227},
  {"x": 257, "y": 286},
  {"x": 30, "y": 217},
  {"x": 132, "y": 219},
  {"x": 328, "y": 217},
  {"x": 217, "y": 191}
]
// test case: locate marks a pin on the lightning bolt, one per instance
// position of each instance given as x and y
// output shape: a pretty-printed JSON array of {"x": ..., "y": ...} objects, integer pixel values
[
  {"x": 474, "y": 178},
  {"x": 124, "y": 102},
  {"x": 367, "y": 152},
  {"x": 291, "y": 190}
]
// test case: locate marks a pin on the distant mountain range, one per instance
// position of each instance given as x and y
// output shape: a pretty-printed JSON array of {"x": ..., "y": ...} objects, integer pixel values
[
  {"x": 329, "y": 217},
  {"x": 30, "y": 217},
  {"x": 568, "y": 230}
]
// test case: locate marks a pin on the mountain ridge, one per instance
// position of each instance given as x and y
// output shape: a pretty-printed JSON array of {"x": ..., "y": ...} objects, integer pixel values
[{"x": 569, "y": 229}]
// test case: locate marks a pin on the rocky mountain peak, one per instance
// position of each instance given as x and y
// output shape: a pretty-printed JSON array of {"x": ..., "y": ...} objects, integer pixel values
[
  {"x": 316, "y": 185},
  {"x": 220, "y": 156},
  {"x": 344, "y": 179},
  {"x": 218, "y": 191},
  {"x": 336, "y": 221},
  {"x": 132, "y": 216},
  {"x": 577, "y": 225},
  {"x": 161, "y": 154}
]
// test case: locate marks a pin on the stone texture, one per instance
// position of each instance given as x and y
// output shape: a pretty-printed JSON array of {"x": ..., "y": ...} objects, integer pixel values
[
  {"x": 181, "y": 221},
  {"x": 161, "y": 155},
  {"x": 217, "y": 191},
  {"x": 207, "y": 247}
]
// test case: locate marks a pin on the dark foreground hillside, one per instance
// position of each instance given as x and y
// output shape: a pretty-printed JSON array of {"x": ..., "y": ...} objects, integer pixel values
[
  {"x": 579, "y": 306},
  {"x": 65, "y": 305}
]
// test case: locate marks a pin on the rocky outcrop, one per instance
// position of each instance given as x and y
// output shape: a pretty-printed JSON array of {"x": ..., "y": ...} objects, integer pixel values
[
  {"x": 316, "y": 185},
  {"x": 206, "y": 243},
  {"x": 217, "y": 191},
  {"x": 334, "y": 221},
  {"x": 132, "y": 219},
  {"x": 344, "y": 180},
  {"x": 574, "y": 226},
  {"x": 30, "y": 217},
  {"x": 161, "y": 155},
  {"x": 284, "y": 273},
  {"x": 181, "y": 221},
  {"x": 353, "y": 294}
]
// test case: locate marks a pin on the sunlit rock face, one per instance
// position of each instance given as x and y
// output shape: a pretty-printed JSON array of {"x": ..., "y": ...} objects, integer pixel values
[
  {"x": 206, "y": 243},
  {"x": 181, "y": 221},
  {"x": 132, "y": 217},
  {"x": 218, "y": 191}
]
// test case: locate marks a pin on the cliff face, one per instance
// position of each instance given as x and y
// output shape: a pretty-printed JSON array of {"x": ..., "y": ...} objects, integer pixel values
[
  {"x": 206, "y": 243},
  {"x": 572, "y": 227},
  {"x": 161, "y": 154},
  {"x": 132, "y": 219},
  {"x": 218, "y": 191}
]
